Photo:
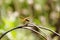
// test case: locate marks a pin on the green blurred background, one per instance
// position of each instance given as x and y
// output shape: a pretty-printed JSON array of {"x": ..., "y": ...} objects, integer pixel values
[{"x": 45, "y": 13}]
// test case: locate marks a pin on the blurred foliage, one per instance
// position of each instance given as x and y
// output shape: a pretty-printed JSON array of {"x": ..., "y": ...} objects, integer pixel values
[{"x": 45, "y": 13}]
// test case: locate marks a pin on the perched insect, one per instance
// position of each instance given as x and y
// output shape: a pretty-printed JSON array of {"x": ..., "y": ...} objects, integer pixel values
[{"x": 24, "y": 20}]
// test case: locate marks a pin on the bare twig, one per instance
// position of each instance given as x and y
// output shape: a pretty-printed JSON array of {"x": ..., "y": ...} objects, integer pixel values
[
  {"x": 31, "y": 28},
  {"x": 25, "y": 27},
  {"x": 47, "y": 29},
  {"x": 50, "y": 31}
]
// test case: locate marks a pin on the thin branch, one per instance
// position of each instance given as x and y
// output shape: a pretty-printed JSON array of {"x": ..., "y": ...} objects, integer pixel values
[
  {"x": 35, "y": 32},
  {"x": 50, "y": 31},
  {"x": 9, "y": 31},
  {"x": 25, "y": 27},
  {"x": 46, "y": 29}
]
